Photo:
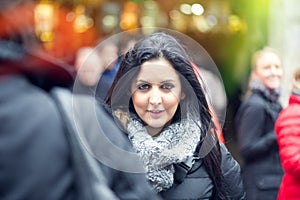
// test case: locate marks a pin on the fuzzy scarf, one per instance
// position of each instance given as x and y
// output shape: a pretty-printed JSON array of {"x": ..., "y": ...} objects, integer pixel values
[
  {"x": 272, "y": 95},
  {"x": 175, "y": 144}
]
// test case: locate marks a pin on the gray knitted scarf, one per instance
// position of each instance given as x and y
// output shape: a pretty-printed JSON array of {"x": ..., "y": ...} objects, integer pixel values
[
  {"x": 272, "y": 95},
  {"x": 175, "y": 144}
]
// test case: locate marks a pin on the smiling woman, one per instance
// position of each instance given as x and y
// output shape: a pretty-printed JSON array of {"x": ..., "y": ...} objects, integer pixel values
[
  {"x": 267, "y": 67},
  {"x": 157, "y": 99},
  {"x": 156, "y": 94},
  {"x": 255, "y": 119}
]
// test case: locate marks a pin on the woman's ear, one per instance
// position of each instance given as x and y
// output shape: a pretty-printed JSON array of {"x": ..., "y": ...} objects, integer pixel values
[{"x": 182, "y": 96}]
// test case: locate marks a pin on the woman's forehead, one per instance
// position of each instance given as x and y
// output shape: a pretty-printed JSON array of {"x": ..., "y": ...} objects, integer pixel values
[{"x": 157, "y": 69}]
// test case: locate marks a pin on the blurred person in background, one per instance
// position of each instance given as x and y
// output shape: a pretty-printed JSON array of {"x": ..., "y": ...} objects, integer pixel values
[
  {"x": 108, "y": 52},
  {"x": 89, "y": 67},
  {"x": 262, "y": 171},
  {"x": 36, "y": 155},
  {"x": 288, "y": 135},
  {"x": 113, "y": 58}
]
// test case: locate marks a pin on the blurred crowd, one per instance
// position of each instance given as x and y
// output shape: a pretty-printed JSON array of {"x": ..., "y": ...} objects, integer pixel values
[{"x": 183, "y": 156}]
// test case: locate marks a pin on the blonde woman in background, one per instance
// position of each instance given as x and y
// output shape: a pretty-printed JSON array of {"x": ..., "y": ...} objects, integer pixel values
[{"x": 255, "y": 119}]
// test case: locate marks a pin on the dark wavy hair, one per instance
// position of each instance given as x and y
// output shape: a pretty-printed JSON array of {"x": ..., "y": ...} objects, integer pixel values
[{"x": 162, "y": 45}]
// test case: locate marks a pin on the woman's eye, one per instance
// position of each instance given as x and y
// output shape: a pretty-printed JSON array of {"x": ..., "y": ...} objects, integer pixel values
[
  {"x": 167, "y": 86},
  {"x": 268, "y": 67},
  {"x": 277, "y": 66},
  {"x": 143, "y": 87}
]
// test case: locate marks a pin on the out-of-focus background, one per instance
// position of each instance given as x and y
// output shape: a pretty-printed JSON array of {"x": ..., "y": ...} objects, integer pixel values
[{"x": 229, "y": 30}]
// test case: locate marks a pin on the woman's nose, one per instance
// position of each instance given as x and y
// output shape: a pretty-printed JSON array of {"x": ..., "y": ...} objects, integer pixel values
[
  {"x": 155, "y": 97},
  {"x": 275, "y": 70}
]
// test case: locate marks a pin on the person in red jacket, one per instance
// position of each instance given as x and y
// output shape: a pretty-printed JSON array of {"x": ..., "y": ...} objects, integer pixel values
[{"x": 287, "y": 128}]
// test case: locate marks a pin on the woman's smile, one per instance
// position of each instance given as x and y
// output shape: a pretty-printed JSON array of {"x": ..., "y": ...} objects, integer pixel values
[{"x": 155, "y": 114}]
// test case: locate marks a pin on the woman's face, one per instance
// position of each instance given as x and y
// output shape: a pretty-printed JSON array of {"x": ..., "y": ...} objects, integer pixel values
[
  {"x": 269, "y": 70},
  {"x": 156, "y": 94}
]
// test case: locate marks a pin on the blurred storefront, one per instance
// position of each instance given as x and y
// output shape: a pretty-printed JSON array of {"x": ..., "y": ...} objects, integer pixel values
[
  {"x": 220, "y": 26},
  {"x": 229, "y": 30}
]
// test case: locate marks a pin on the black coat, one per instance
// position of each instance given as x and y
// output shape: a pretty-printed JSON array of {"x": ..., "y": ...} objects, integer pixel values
[
  {"x": 35, "y": 153},
  {"x": 198, "y": 184},
  {"x": 262, "y": 171},
  {"x": 35, "y": 162}
]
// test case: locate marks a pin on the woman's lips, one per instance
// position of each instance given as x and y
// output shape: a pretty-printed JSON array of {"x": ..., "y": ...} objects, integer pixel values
[{"x": 155, "y": 113}]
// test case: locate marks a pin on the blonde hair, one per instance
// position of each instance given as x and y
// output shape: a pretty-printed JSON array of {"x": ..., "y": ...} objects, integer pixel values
[
  {"x": 257, "y": 55},
  {"x": 296, "y": 80}
]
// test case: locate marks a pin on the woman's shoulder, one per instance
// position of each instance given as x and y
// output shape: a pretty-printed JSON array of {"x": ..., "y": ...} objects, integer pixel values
[
  {"x": 292, "y": 110},
  {"x": 253, "y": 105},
  {"x": 288, "y": 118},
  {"x": 232, "y": 180},
  {"x": 229, "y": 164},
  {"x": 255, "y": 100}
]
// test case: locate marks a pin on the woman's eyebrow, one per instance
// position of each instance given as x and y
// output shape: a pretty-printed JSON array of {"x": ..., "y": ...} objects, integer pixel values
[
  {"x": 164, "y": 81},
  {"x": 168, "y": 80},
  {"x": 141, "y": 81}
]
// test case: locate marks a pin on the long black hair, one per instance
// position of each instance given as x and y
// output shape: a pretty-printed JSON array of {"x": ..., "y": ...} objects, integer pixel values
[{"x": 162, "y": 45}]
